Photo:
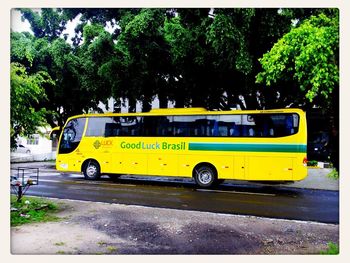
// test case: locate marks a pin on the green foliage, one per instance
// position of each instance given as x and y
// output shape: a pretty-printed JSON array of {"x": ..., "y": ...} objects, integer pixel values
[
  {"x": 312, "y": 163},
  {"x": 49, "y": 23},
  {"x": 143, "y": 56},
  {"x": 333, "y": 249},
  {"x": 26, "y": 94},
  {"x": 178, "y": 38},
  {"x": 32, "y": 210},
  {"x": 334, "y": 174},
  {"x": 23, "y": 51},
  {"x": 306, "y": 56},
  {"x": 191, "y": 56},
  {"x": 228, "y": 35},
  {"x": 92, "y": 31}
]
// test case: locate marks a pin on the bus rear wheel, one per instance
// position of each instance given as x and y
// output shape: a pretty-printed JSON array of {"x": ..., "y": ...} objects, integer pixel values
[
  {"x": 205, "y": 176},
  {"x": 91, "y": 170}
]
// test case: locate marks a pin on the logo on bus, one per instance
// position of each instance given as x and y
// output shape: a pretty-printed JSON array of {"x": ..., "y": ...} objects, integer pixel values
[
  {"x": 104, "y": 143},
  {"x": 97, "y": 144}
]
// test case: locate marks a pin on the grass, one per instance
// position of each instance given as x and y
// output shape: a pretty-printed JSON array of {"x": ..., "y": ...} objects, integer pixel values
[
  {"x": 59, "y": 244},
  {"x": 31, "y": 209},
  {"x": 333, "y": 249},
  {"x": 111, "y": 249},
  {"x": 334, "y": 174}
]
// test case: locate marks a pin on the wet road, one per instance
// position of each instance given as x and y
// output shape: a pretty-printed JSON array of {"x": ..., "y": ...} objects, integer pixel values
[{"x": 230, "y": 198}]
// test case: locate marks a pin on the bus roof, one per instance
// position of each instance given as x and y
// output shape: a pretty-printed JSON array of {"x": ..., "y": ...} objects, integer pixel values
[{"x": 188, "y": 111}]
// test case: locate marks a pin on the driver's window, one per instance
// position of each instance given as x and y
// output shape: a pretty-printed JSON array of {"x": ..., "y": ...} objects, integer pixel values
[{"x": 72, "y": 135}]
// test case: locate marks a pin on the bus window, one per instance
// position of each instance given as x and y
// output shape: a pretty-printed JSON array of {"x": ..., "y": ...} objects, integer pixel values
[
  {"x": 72, "y": 135},
  {"x": 130, "y": 126},
  {"x": 113, "y": 127},
  {"x": 189, "y": 126},
  {"x": 149, "y": 126},
  {"x": 284, "y": 124},
  {"x": 95, "y": 127}
]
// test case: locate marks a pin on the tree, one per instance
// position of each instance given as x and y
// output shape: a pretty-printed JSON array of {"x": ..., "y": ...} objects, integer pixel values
[
  {"x": 26, "y": 94},
  {"x": 308, "y": 58},
  {"x": 78, "y": 87},
  {"x": 190, "y": 56},
  {"x": 194, "y": 79},
  {"x": 304, "y": 63},
  {"x": 49, "y": 23},
  {"x": 146, "y": 56}
]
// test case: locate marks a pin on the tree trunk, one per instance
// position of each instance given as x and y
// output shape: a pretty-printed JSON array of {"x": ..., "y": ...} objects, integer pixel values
[
  {"x": 146, "y": 105},
  {"x": 132, "y": 105},
  {"x": 163, "y": 102},
  {"x": 117, "y": 106}
]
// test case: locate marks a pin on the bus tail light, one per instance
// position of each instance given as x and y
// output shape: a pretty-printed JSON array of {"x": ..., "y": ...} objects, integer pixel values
[{"x": 305, "y": 161}]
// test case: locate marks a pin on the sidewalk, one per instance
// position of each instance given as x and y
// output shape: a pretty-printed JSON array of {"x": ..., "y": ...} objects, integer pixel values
[
  {"x": 317, "y": 177},
  {"x": 25, "y": 158}
]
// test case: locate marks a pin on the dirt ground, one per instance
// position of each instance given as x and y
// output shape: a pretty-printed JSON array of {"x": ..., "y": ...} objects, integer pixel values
[{"x": 98, "y": 228}]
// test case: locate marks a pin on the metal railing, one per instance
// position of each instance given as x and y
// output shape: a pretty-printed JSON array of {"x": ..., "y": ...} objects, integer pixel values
[{"x": 21, "y": 179}]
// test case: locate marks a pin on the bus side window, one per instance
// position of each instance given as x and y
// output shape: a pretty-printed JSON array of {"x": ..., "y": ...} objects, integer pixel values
[
  {"x": 223, "y": 129},
  {"x": 235, "y": 130},
  {"x": 245, "y": 130},
  {"x": 112, "y": 129},
  {"x": 162, "y": 126},
  {"x": 215, "y": 130},
  {"x": 289, "y": 125}
]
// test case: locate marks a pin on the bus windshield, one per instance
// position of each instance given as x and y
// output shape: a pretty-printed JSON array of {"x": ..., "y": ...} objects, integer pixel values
[{"x": 72, "y": 135}]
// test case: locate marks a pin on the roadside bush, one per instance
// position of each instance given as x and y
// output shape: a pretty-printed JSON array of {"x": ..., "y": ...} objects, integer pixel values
[
  {"x": 334, "y": 174},
  {"x": 333, "y": 249},
  {"x": 312, "y": 163}
]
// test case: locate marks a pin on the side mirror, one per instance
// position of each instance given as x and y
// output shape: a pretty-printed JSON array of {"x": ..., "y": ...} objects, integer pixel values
[{"x": 55, "y": 132}]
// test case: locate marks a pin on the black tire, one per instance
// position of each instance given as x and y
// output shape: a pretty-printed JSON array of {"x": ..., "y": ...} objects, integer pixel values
[
  {"x": 92, "y": 170},
  {"x": 205, "y": 176}
]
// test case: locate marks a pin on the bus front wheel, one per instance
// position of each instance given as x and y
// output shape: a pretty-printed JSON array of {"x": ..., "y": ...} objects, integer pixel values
[
  {"x": 205, "y": 176},
  {"x": 91, "y": 170}
]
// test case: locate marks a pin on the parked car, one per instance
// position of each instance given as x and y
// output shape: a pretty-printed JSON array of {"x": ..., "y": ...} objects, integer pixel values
[
  {"x": 22, "y": 149},
  {"x": 318, "y": 146}
]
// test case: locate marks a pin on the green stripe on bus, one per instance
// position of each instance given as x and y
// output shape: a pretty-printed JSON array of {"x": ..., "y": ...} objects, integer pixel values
[{"x": 242, "y": 147}]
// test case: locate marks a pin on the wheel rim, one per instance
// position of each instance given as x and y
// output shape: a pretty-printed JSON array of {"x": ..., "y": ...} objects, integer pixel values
[
  {"x": 91, "y": 170},
  {"x": 205, "y": 177}
]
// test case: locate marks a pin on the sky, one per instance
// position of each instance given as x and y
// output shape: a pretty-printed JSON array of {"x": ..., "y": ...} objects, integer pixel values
[{"x": 16, "y": 24}]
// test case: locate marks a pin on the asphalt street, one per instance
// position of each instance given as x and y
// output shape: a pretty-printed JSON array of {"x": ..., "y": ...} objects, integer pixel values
[{"x": 232, "y": 197}]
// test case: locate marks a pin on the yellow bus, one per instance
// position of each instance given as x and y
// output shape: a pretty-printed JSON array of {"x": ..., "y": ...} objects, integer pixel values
[{"x": 210, "y": 146}]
